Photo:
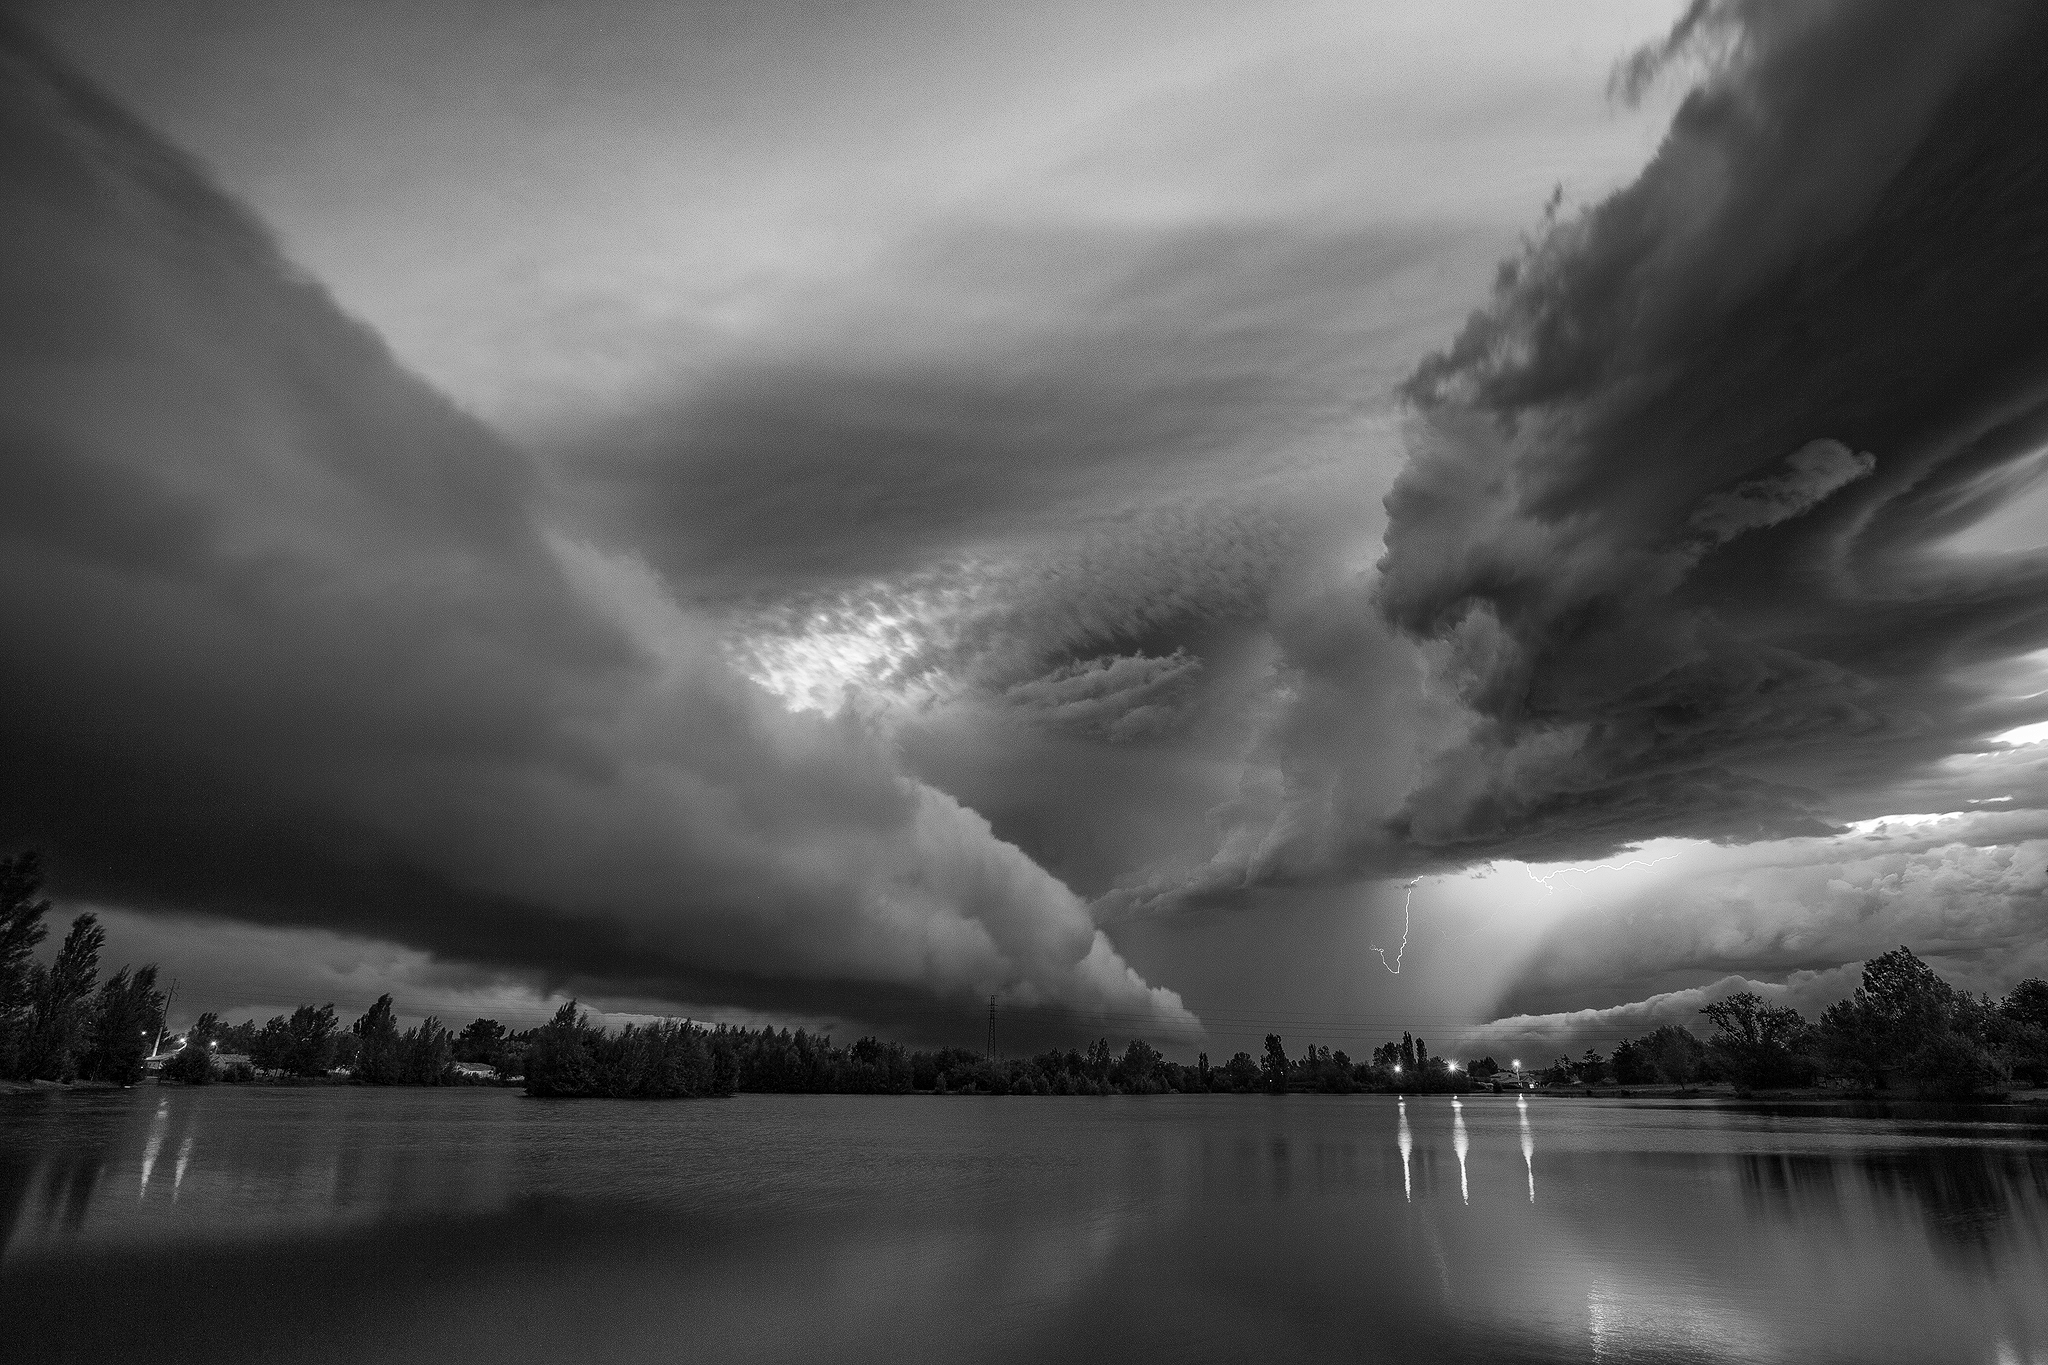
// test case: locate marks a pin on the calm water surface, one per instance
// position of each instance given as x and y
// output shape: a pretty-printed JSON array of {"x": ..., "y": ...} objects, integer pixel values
[{"x": 285, "y": 1225}]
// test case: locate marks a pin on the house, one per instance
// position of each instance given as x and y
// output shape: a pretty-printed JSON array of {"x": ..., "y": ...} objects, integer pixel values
[{"x": 476, "y": 1071}]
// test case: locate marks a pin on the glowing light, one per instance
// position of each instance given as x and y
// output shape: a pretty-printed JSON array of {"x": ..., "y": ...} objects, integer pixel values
[
  {"x": 1911, "y": 820},
  {"x": 878, "y": 643},
  {"x": 1396, "y": 967},
  {"x": 1397, "y": 1068},
  {"x": 2036, "y": 733}
]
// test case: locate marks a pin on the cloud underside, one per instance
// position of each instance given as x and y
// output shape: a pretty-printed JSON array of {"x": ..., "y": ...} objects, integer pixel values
[
  {"x": 1674, "y": 551},
  {"x": 1670, "y": 524},
  {"x": 298, "y": 647}
]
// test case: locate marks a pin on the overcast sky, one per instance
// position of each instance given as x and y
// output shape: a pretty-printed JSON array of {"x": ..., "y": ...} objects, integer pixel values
[{"x": 829, "y": 513}]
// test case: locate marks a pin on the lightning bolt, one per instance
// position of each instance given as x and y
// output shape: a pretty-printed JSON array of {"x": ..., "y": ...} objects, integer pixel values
[
  {"x": 1395, "y": 968},
  {"x": 1545, "y": 879}
]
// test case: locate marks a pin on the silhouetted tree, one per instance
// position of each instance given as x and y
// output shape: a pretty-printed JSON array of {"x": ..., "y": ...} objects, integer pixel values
[
  {"x": 1675, "y": 1051},
  {"x": 1274, "y": 1067},
  {"x": 21, "y": 928},
  {"x": 426, "y": 1054},
  {"x": 57, "y": 1002},
  {"x": 231, "y": 1037},
  {"x": 572, "y": 1057},
  {"x": 2021, "y": 1029},
  {"x": 1759, "y": 1044},
  {"x": 480, "y": 1041},
  {"x": 271, "y": 1048},
  {"x": 309, "y": 1041},
  {"x": 2028, "y": 1003},
  {"x": 122, "y": 1018},
  {"x": 378, "y": 1055},
  {"x": 193, "y": 1063}
]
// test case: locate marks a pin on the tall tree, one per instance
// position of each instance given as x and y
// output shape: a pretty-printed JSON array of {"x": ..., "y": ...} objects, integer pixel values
[
  {"x": 378, "y": 1055},
  {"x": 425, "y": 1054},
  {"x": 122, "y": 1019},
  {"x": 21, "y": 928},
  {"x": 1759, "y": 1043},
  {"x": 480, "y": 1041},
  {"x": 57, "y": 1002},
  {"x": 309, "y": 1040},
  {"x": 1275, "y": 1065}
]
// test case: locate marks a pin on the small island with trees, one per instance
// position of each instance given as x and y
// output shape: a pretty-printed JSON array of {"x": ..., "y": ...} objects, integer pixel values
[{"x": 1904, "y": 1032}]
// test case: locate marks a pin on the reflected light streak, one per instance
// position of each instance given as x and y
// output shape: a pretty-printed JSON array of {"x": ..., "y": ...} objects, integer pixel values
[
  {"x": 178, "y": 1175},
  {"x": 1461, "y": 1144},
  {"x": 1528, "y": 1144},
  {"x": 156, "y": 1142},
  {"x": 1407, "y": 1148}
]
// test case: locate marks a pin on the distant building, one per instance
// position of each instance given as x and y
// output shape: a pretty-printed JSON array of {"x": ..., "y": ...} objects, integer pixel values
[{"x": 476, "y": 1071}]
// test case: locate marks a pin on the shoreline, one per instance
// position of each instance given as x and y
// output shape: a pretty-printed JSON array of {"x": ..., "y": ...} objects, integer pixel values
[{"x": 2036, "y": 1098}]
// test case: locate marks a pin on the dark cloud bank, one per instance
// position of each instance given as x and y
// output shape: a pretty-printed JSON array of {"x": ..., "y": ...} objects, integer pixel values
[
  {"x": 1671, "y": 529},
  {"x": 287, "y": 641}
]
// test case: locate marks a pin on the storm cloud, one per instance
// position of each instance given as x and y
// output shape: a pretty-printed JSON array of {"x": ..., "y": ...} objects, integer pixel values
[
  {"x": 834, "y": 517},
  {"x": 1672, "y": 524},
  {"x": 299, "y": 648}
]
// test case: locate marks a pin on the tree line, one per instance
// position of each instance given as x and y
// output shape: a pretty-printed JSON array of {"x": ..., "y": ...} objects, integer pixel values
[
  {"x": 570, "y": 1056},
  {"x": 58, "y": 1020},
  {"x": 1904, "y": 1030}
]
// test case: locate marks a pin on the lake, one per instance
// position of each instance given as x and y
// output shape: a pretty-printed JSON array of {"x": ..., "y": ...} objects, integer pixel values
[{"x": 339, "y": 1224}]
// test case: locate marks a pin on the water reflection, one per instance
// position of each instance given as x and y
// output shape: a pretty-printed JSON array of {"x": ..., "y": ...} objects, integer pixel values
[
  {"x": 155, "y": 1145},
  {"x": 1407, "y": 1140},
  {"x": 1461, "y": 1144},
  {"x": 1528, "y": 1143},
  {"x": 1965, "y": 1197},
  {"x": 410, "y": 1226}
]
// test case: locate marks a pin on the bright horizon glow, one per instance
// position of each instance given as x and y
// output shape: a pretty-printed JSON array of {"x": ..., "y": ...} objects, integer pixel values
[{"x": 2035, "y": 733}]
